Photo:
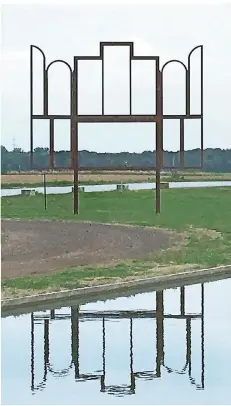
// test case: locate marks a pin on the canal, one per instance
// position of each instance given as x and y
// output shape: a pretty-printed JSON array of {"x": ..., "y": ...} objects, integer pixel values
[
  {"x": 111, "y": 187},
  {"x": 166, "y": 347}
]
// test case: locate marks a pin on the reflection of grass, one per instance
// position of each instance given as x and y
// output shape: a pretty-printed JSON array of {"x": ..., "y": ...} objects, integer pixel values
[{"x": 202, "y": 216}]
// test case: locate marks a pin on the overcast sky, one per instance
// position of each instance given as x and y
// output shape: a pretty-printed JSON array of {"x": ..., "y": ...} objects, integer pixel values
[{"x": 169, "y": 31}]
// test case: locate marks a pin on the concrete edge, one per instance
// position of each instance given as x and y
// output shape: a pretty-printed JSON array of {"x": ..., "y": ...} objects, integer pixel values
[{"x": 193, "y": 275}]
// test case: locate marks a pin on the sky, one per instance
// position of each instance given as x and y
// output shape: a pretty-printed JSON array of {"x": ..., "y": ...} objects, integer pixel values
[{"x": 168, "y": 31}]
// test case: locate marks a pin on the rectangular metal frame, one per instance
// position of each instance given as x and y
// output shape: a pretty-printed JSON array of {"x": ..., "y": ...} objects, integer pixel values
[{"x": 76, "y": 118}]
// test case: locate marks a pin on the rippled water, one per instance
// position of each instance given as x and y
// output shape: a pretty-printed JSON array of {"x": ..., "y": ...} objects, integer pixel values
[
  {"x": 170, "y": 347},
  {"x": 110, "y": 187}
]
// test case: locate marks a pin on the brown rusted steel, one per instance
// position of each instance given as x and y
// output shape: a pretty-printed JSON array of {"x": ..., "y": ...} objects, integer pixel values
[
  {"x": 31, "y": 108},
  {"x": 74, "y": 134},
  {"x": 121, "y": 118},
  {"x": 201, "y": 98},
  {"x": 188, "y": 114},
  {"x": 45, "y": 92},
  {"x": 159, "y": 331},
  {"x": 182, "y": 300},
  {"x": 130, "y": 80},
  {"x": 156, "y": 119},
  {"x": 52, "y": 150},
  {"x": 181, "y": 143},
  {"x": 159, "y": 126}
]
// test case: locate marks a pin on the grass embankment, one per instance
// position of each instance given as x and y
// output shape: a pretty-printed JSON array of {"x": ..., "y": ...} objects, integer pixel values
[
  {"x": 31, "y": 180},
  {"x": 201, "y": 216},
  {"x": 57, "y": 183}
]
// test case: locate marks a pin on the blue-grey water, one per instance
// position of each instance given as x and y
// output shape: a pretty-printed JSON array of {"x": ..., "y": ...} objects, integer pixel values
[
  {"x": 110, "y": 187},
  {"x": 170, "y": 347}
]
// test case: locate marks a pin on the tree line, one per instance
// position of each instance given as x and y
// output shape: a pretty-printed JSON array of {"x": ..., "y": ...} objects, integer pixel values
[{"x": 215, "y": 160}]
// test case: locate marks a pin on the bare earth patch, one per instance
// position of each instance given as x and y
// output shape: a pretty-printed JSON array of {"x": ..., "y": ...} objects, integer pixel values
[{"x": 38, "y": 247}]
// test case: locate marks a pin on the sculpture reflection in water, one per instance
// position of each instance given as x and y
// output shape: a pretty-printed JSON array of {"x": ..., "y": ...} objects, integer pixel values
[{"x": 77, "y": 316}]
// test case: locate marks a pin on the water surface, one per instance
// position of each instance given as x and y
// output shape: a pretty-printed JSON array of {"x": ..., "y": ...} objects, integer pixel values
[
  {"x": 169, "y": 347},
  {"x": 110, "y": 187}
]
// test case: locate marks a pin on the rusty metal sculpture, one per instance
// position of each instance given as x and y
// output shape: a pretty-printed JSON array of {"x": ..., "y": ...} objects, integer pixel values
[
  {"x": 76, "y": 315},
  {"x": 75, "y": 118}
]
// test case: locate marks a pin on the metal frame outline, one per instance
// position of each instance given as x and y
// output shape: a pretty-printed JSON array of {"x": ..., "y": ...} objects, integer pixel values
[{"x": 156, "y": 119}]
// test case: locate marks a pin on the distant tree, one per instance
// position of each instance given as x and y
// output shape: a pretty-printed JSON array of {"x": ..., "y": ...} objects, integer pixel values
[{"x": 215, "y": 160}]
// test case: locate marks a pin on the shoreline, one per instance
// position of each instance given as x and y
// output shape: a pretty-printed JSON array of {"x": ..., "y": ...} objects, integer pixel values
[
  {"x": 189, "y": 214},
  {"x": 10, "y": 306},
  {"x": 21, "y": 185}
]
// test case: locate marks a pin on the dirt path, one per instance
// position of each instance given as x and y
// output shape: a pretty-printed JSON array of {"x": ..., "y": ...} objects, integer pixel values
[{"x": 35, "y": 247}]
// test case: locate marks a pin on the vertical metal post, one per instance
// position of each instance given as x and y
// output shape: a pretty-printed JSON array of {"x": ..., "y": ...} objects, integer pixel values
[
  {"x": 202, "y": 109},
  {"x": 46, "y": 346},
  {"x": 132, "y": 378},
  {"x": 102, "y": 56},
  {"x": 74, "y": 134},
  {"x": 74, "y": 340},
  {"x": 188, "y": 344},
  {"x": 159, "y": 141},
  {"x": 187, "y": 90},
  {"x": 188, "y": 110},
  {"x": 182, "y": 143},
  {"x": 31, "y": 107},
  {"x": 77, "y": 343},
  {"x": 45, "y": 191},
  {"x": 52, "y": 152},
  {"x": 45, "y": 92},
  {"x": 102, "y": 380},
  {"x": 157, "y": 190},
  {"x": 159, "y": 331},
  {"x": 32, "y": 351},
  {"x": 76, "y": 193},
  {"x": 202, "y": 337},
  {"x": 182, "y": 300},
  {"x": 130, "y": 79}
]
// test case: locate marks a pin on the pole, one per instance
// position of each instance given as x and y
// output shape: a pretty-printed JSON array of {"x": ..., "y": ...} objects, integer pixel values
[
  {"x": 159, "y": 137},
  {"x": 188, "y": 344},
  {"x": 202, "y": 336},
  {"x": 32, "y": 351},
  {"x": 31, "y": 108},
  {"x": 46, "y": 347},
  {"x": 159, "y": 331},
  {"x": 76, "y": 197},
  {"x": 74, "y": 134},
  {"x": 182, "y": 300},
  {"x": 157, "y": 191},
  {"x": 45, "y": 191},
  {"x": 74, "y": 340}
]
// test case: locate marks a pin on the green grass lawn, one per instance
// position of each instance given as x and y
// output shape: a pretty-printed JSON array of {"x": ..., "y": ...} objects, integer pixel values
[
  {"x": 203, "y": 216},
  {"x": 205, "y": 208}
]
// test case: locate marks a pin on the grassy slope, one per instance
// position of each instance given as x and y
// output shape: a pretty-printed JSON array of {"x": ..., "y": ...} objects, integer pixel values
[{"x": 203, "y": 215}]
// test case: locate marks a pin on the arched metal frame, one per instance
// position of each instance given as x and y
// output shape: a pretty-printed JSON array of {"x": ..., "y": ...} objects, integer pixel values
[{"x": 75, "y": 118}]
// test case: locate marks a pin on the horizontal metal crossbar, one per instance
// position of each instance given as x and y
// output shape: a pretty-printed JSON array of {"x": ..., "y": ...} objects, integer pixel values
[
  {"x": 112, "y": 118},
  {"x": 126, "y": 314},
  {"x": 149, "y": 168}
]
